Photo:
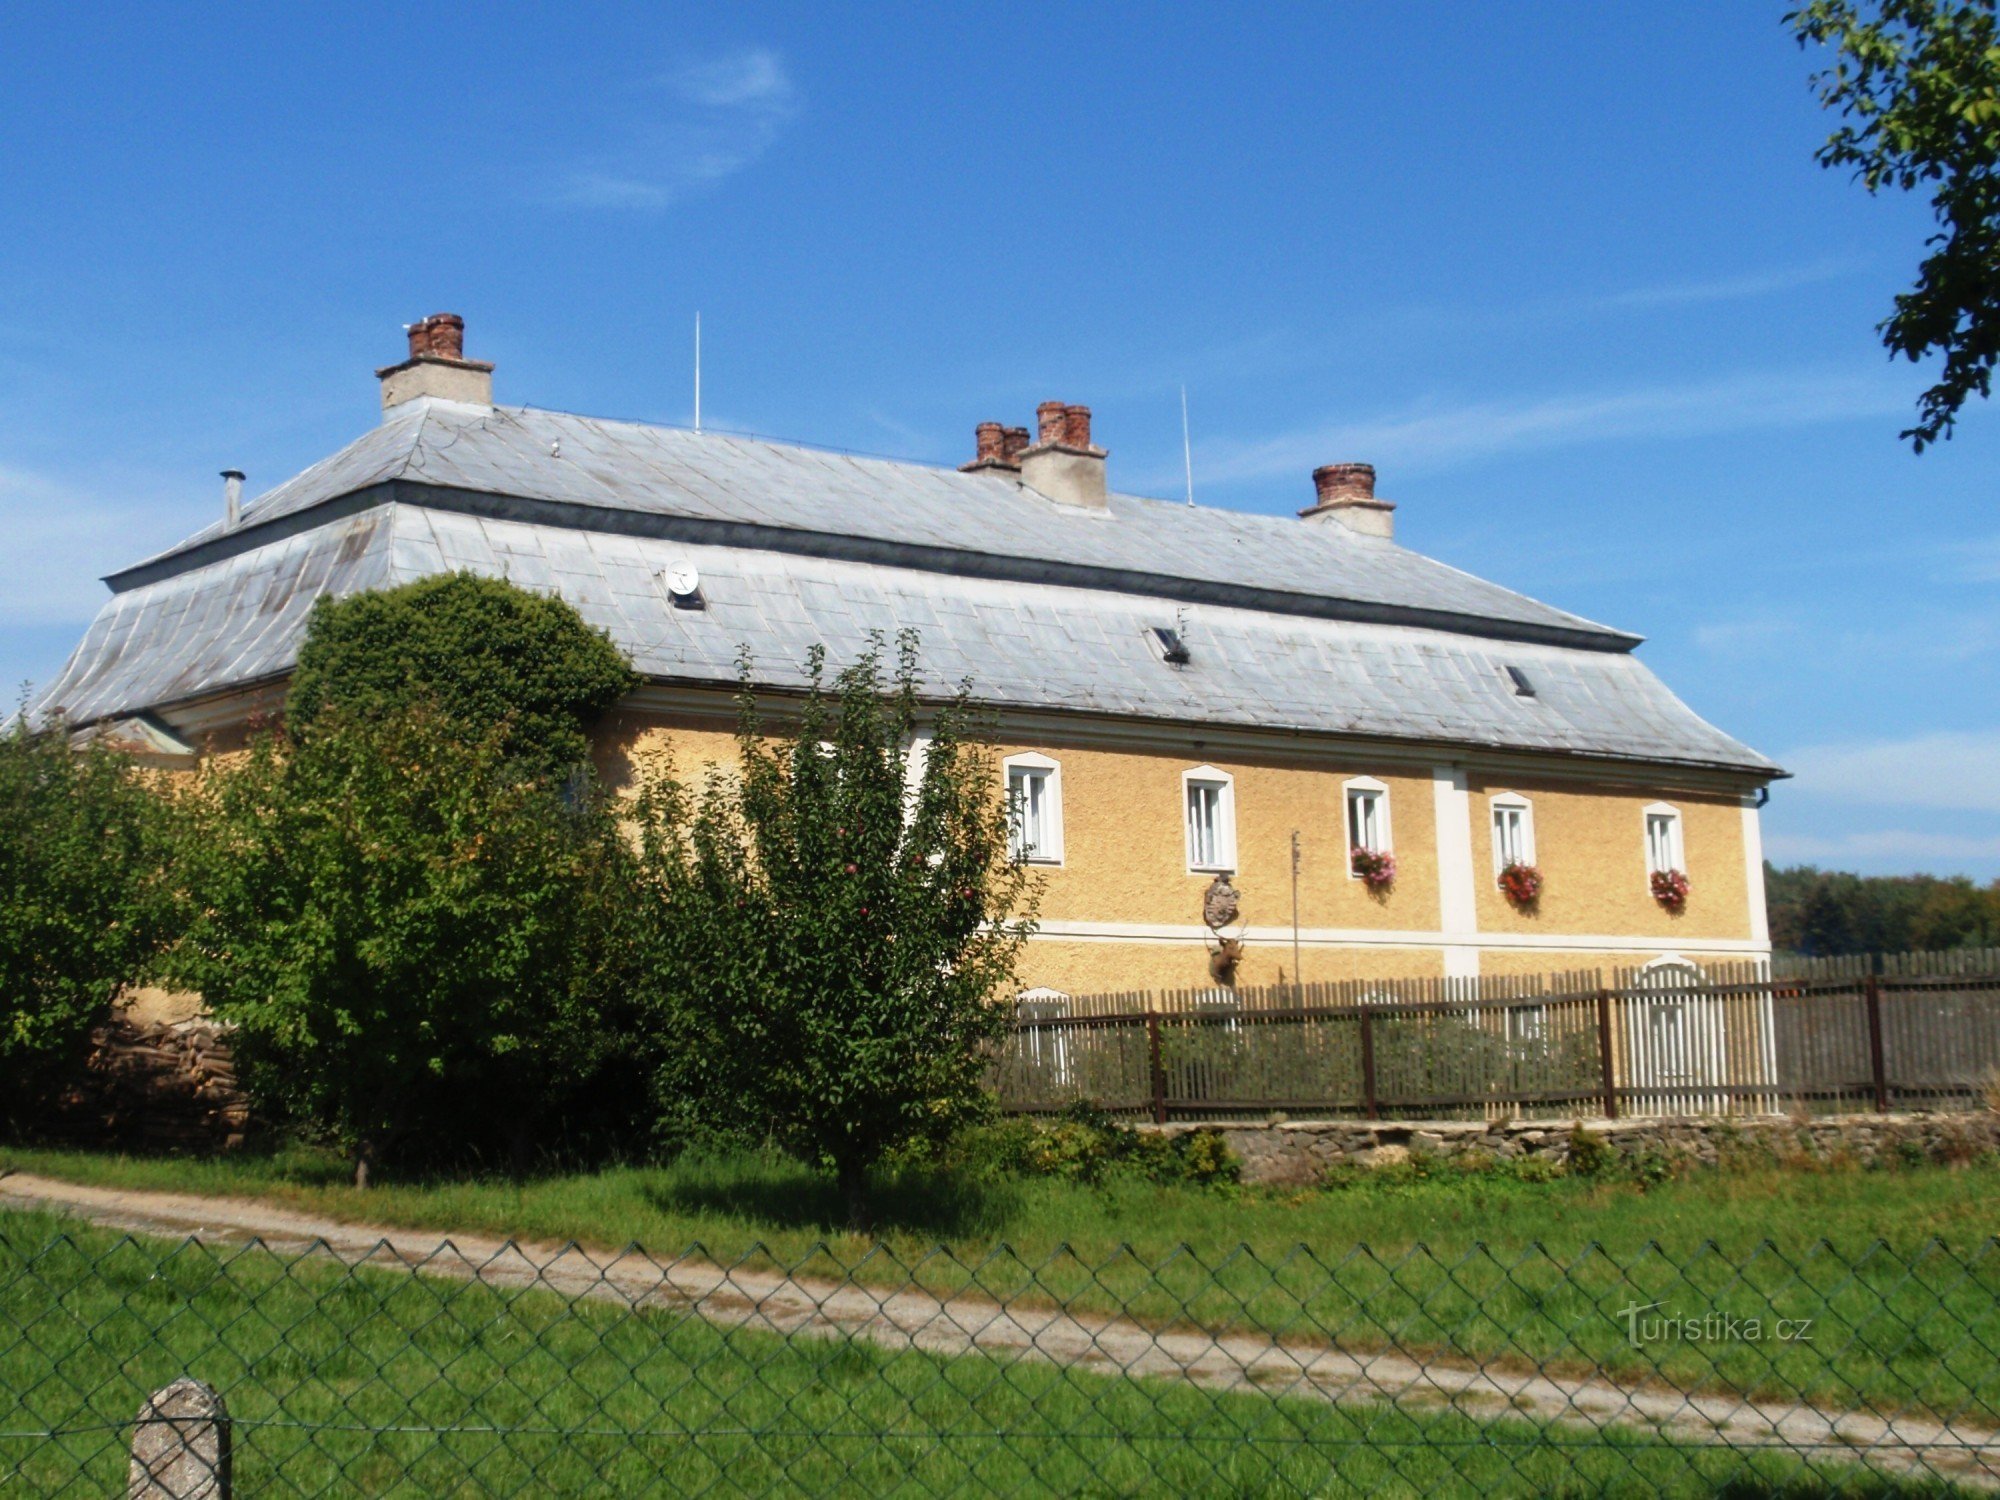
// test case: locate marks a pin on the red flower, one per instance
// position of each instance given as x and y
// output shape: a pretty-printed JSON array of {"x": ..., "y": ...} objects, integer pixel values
[
  {"x": 1376, "y": 868},
  {"x": 1670, "y": 889},
  {"x": 1522, "y": 883}
]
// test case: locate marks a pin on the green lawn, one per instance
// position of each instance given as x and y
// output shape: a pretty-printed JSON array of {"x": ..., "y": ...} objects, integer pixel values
[
  {"x": 380, "y": 1383},
  {"x": 1899, "y": 1269}
]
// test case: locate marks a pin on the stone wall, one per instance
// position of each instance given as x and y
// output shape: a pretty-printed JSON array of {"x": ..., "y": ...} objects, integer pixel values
[{"x": 1301, "y": 1152}]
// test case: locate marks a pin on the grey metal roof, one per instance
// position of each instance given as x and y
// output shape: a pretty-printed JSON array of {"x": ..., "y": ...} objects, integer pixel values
[
  {"x": 627, "y": 476},
  {"x": 239, "y": 619}
]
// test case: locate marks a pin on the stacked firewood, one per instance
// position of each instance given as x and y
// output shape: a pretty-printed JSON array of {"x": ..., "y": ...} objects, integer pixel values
[{"x": 153, "y": 1086}]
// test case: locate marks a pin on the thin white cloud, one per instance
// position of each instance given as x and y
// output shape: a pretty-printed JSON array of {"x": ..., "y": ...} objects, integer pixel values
[
  {"x": 1721, "y": 289},
  {"x": 57, "y": 541},
  {"x": 61, "y": 540},
  {"x": 1434, "y": 435},
  {"x": 1975, "y": 561},
  {"x": 707, "y": 122},
  {"x": 1957, "y": 770},
  {"x": 1900, "y": 846}
]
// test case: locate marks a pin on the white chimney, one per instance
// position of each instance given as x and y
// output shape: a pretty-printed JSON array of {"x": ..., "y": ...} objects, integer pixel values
[
  {"x": 232, "y": 496},
  {"x": 1063, "y": 464}
]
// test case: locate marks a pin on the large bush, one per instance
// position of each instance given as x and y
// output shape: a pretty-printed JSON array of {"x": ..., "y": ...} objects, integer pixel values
[
  {"x": 480, "y": 651},
  {"x": 86, "y": 898},
  {"x": 833, "y": 922},
  {"x": 418, "y": 946},
  {"x": 415, "y": 907}
]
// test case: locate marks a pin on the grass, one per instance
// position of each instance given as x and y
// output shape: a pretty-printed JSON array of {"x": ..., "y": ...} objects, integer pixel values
[
  {"x": 1898, "y": 1270},
  {"x": 381, "y": 1383}
]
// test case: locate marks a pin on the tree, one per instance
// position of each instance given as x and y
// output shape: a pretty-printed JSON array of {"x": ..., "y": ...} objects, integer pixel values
[
  {"x": 1918, "y": 82},
  {"x": 407, "y": 934},
  {"x": 86, "y": 896},
  {"x": 415, "y": 903},
  {"x": 836, "y": 917},
  {"x": 480, "y": 650},
  {"x": 1822, "y": 912}
]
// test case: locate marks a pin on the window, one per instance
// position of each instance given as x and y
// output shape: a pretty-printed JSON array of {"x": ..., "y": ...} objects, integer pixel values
[
  {"x": 1210, "y": 799},
  {"x": 1368, "y": 815},
  {"x": 1367, "y": 804},
  {"x": 1034, "y": 809},
  {"x": 1663, "y": 839},
  {"x": 1513, "y": 831}
]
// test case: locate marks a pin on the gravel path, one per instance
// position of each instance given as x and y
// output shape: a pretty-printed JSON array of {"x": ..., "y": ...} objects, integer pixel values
[{"x": 963, "y": 1324}]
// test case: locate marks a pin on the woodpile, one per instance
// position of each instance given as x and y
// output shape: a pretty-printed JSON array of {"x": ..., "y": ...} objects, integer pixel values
[{"x": 153, "y": 1086}]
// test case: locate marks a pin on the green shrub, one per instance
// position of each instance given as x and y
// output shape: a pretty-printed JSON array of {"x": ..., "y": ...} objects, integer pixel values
[
  {"x": 1084, "y": 1144},
  {"x": 1590, "y": 1155},
  {"x": 416, "y": 908},
  {"x": 87, "y": 898},
  {"x": 477, "y": 651}
]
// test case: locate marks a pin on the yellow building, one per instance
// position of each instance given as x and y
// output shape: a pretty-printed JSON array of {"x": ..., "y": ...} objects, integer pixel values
[{"x": 1184, "y": 692}]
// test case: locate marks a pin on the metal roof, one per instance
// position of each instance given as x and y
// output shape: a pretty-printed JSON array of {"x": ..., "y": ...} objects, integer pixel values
[
  {"x": 643, "y": 479},
  {"x": 204, "y": 627}
]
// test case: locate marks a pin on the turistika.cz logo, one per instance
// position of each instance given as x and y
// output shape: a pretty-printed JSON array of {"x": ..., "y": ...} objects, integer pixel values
[{"x": 1709, "y": 1328}]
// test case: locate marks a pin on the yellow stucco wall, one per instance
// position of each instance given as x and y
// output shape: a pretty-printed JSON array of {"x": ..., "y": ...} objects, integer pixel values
[
  {"x": 1590, "y": 846},
  {"x": 1084, "y": 968},
  {"x": 1124, "y": 864},
  {"x": 1125, "y": 854}
]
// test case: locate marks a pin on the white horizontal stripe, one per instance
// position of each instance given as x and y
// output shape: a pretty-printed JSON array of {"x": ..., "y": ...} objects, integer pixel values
[{"x": 1365, "y": 937}]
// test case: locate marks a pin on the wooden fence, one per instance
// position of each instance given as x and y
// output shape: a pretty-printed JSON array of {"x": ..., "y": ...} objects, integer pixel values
[{"x": 1888, "y": 1032}]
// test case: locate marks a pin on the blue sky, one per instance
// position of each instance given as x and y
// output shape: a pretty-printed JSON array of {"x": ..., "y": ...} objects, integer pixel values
[{"x": 1566, "y": 274}]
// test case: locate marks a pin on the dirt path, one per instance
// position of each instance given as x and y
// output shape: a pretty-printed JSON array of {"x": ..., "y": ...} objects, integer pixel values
[{"x": 965, "y": 1324}]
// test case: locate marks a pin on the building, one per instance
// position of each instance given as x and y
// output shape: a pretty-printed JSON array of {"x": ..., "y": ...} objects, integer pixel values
[{"x": 1184, "y": 692}]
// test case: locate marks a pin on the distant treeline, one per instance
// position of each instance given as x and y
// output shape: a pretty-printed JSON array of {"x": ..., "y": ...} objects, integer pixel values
[{"x": 1822, "y": 912}]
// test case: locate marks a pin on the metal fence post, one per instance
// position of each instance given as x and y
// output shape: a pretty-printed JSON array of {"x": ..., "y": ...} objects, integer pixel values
[
  {"x": 1368, "y": 1097},
  {"x": 180, "y": 1445},
  {"x": 1610, "y": 1077},
  {"x": 1873, "y": 993},
  {"x": 1158, "y": 1068}
]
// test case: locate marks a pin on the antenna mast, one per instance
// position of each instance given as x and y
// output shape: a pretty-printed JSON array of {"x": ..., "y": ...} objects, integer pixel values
[
  {"x": 697, "y": 372},
  {"x": 1187, "y": 448}
]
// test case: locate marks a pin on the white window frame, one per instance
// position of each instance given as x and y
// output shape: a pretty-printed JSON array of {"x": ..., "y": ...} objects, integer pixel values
[
  {"x": 1510, "y": 802},
  {"x": 1225, "y": 817},
  {"x": 1050, "y": 851},
  {"x": 1676, "y": 849},
  {"x": 1366, "y": 786}
]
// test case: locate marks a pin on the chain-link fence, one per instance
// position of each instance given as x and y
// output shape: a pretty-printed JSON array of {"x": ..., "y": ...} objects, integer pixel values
[{"x": 414, "y": 1367}]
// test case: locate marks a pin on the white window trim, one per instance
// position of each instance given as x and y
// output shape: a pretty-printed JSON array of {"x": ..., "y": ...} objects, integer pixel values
[
  {"x": 1052, "y": 852},
  {"x": 1365, "y": 784},
  {"x": 1675, "y": 838},
  {"x": 1527, "y": 811},
  {"x": 1225, "y": 835}
]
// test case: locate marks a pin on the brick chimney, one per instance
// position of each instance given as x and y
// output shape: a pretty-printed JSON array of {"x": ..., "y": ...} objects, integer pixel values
[
  {"x": 1063, "y": 464},
  {"x": 437, "y": 366},
  {"x": 1347, "y": 495},
  {"x": 989, "y": 452}
]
